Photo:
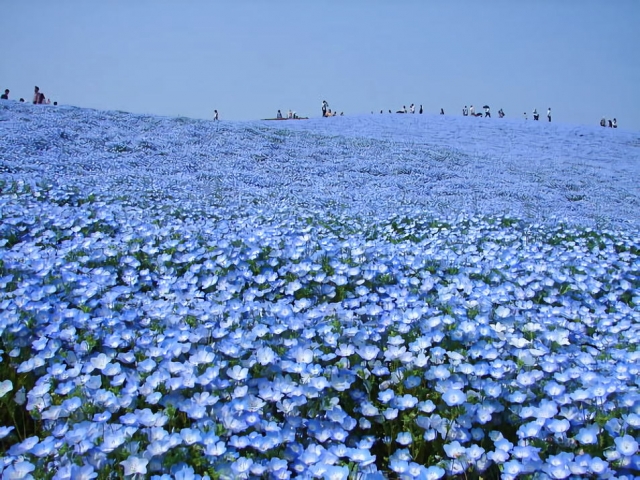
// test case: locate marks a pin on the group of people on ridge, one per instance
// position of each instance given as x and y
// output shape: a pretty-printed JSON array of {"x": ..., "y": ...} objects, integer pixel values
[
  {"x": 611, "y": 123},
  {"x": 38, "y": 97},
  {"x": 326, "y": 111}
]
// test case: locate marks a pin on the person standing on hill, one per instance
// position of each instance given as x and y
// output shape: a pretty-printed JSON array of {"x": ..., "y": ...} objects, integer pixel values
[
  {"x": 215, "y": 116},
  {"x": 421, "y": 110},
  {"x": 412, "y": 108},
  {"x": 325, "y": 107},
  {"x": 5, "y": 95},
  {"x": 465, "y": 111},
  {"x": 38, "y": 96},
  {"x": 535, "y": 114},
  {"x": 472, "y": 111},
  {"x": 487, "y": 112},
  {"x": 549, "y": 114}
]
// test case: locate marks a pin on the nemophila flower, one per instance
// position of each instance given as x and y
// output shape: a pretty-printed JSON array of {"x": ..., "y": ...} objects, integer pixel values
[
  {"x": 405, "y": 402},
  {"x": 5, "y": 386},
  {"x": 558, "y": 426},
  {"x": 598, "y": 466},
  {"x": 626, "y": 445},
  {"x": 512, "y": 468},
  {"x": 588, "y": 435},
  {"x": 135, "y": 465},
  {"x": 453, "y": 397},
  {"x": 19, "y": 471},
  {"x": 368, "y": 352},
  {"x": 498, "y": 456},
  {"x": 404, "y": 438}
]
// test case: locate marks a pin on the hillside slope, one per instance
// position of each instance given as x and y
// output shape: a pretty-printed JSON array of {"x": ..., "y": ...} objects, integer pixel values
[{"x": 377, "y": 163}]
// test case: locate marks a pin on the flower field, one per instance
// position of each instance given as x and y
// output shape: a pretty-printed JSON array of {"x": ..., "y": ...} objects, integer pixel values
[{"x": 366, "y": 298}]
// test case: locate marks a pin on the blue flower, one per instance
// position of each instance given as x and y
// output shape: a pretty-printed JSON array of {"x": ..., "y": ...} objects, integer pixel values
[
  {"x": 404, "y": 438},
  {"x": 453, "y": 397},
  {"x": 626, "y": 445},
  {"x": 135, "y": 465}
]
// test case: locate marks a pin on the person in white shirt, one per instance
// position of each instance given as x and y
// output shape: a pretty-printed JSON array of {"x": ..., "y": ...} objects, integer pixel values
[
  {"x": 549, "y": 113},
  {"x": 535, "y": 114},
  {"x": 472, "y": 111},
  {"x": 215, "y": 115}
]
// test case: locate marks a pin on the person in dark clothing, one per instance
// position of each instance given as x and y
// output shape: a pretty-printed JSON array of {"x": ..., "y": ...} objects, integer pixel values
[
  {"x": 549, "y": 113},
  {"x": 22, "y": 100},
  {"x": 279, "y": 115},
  {"x": 5, "y": 95},
  {"x": 37, "y": 96},
  {"x": 325, "y": 107},
  {"x": 421, "y": 110},
  {"x": 442, "y": 111},
  {"x": 610, "y": 123}
]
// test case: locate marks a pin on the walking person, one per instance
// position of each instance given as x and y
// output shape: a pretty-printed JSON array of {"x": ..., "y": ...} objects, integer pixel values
[
  {"x": 487, "y": 111},
  {"x": 549, "y": 114},
  {"x": 5, "y": 95},
  {"x": 215, "y": 116}
]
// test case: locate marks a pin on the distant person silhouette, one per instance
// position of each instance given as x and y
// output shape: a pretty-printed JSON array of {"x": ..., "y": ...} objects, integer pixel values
[
  {"x": 549, "y": 113},
  {"x": 5, "y": 95},
  {"x": 442, "y": 111},
  {"x": 536, "y": 116},
  {"x": 38, "y": 96},
  {"x": 421, "y": 110},
  {"x": 487, "y": 112},
  {"x": 216, "y": 117},
  {"x": 615, "y": 123},
  {"x": 279, "y": 115},
  {"x": 465, "y": 111},
  {"x": 472, "y": 111},
  {"x": 22, "y": 100}
]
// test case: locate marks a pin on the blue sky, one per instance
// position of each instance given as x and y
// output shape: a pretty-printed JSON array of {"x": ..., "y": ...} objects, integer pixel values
[{"x": 249, "y": 58}]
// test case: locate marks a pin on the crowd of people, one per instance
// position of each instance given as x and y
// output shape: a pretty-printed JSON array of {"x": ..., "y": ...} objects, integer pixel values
[
  {"x": 610, "y": 123},
  {"x": 38, "y": 97}
]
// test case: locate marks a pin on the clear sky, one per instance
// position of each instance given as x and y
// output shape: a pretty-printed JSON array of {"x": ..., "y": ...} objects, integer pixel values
[{"x": 249, "y": 58}]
